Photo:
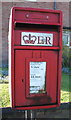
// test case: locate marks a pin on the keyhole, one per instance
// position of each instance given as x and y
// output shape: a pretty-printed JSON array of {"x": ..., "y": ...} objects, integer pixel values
[{"x": 22, "y": 80}]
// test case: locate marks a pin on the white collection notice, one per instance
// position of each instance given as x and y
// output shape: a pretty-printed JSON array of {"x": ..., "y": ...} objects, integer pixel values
[{"x": 37, "y": 77}]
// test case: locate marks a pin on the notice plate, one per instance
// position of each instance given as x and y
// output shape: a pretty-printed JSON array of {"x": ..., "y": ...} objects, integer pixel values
[
  {"x": 37, "y": 77},
  {"x": 36, "y": 39}
]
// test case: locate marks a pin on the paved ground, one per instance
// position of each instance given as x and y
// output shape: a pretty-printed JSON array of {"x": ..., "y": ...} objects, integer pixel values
[
  {"x": 55, "y": 114},
  {"x": 62, "y": 112}
]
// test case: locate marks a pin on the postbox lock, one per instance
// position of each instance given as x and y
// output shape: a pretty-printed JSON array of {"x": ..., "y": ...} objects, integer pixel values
[{"x": 22, "y": 80}]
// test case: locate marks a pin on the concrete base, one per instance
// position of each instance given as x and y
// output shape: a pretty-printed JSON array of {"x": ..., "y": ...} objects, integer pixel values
[{"x": 60, "y": 112}]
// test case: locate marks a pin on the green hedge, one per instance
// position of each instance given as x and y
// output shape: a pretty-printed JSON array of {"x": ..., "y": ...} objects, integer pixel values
[{"x": 66, "y": 57}]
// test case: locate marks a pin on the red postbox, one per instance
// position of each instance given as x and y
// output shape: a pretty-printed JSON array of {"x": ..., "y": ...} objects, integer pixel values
[{"x": 35, "y": 61}]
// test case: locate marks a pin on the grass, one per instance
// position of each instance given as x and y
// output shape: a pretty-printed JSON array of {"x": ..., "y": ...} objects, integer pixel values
[
  {"x": 65, "y": 88},
  {"x": 65, "y": 82},
  {"x": 65, "y": 96},
  {"x": 4, "y": 95},
  {"x": 65, "y": 91}
]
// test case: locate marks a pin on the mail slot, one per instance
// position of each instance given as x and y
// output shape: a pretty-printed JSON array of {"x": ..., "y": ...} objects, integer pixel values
[{"x": 35, "y": 50}]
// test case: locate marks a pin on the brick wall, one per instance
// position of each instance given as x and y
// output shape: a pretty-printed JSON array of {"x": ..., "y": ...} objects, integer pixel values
[
  {"x": 0, "y": 35},
  {"x": 70, "y": 20},
  {"x": 64, "y": 7},
  {"x": 6, "y": 7}
]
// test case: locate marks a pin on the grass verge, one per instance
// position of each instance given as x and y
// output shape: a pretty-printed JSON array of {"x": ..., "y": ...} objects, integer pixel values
[
  {"x": 4, "y": 95},
  {"x": 65, "y": 88}
]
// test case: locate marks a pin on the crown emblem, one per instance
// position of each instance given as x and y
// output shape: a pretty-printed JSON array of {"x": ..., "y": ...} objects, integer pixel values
[{"x": 29, "y": 39}]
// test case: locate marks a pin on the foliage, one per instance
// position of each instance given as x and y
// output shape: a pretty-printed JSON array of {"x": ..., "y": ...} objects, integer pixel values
[
  {"x": 70, "y": 59},
  {"x": 66, "y": 57},
  {"x": 3, "y": 71},
  {"x": 4, "y": 78}
]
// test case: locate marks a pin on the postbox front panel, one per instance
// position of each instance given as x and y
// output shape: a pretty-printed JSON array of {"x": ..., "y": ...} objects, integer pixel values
[{"x": 33, "y": 80}]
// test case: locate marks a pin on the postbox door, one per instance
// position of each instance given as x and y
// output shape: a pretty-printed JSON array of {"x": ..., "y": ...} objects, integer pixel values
[{"x": 42, "y": 64}]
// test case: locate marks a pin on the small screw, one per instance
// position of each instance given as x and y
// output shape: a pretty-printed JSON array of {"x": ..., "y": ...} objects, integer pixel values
[
  {"x": 27, "y": 15},
  {"x": 47, "y": 17}
]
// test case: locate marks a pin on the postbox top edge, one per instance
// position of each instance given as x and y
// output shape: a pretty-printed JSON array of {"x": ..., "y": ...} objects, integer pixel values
[{"x": 36, "y": 9}]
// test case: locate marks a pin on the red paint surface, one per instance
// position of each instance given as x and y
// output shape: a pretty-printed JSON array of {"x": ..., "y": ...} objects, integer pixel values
[{"x": 43, "y": 21}]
